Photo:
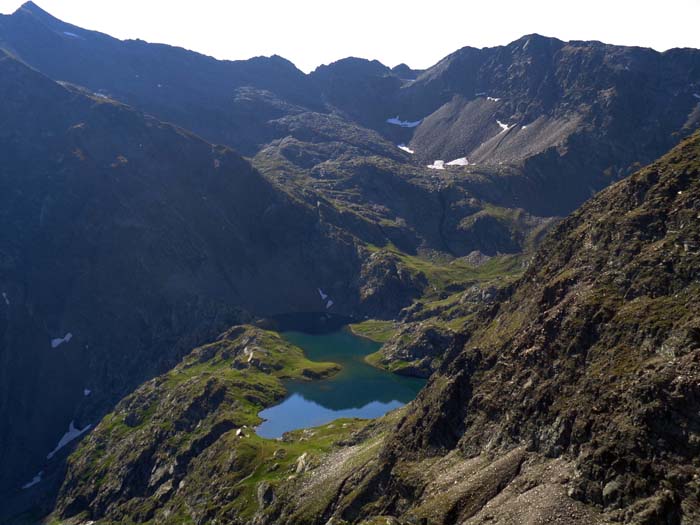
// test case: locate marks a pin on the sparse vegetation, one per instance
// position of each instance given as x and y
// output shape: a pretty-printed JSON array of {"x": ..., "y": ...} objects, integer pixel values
[{"x": 376, "y": 330}]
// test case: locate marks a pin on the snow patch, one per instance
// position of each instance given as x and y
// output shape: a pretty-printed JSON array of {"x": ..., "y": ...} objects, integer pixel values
[
  {"x": 462, "y": 161},
  {"x": 405, "y": 148},
  {"x": 437, "y": 165},
  {"x": 55, "y": 343},
  {"x": 4, "y": 296},
  {"x": 480, "y": 94},
  {"x": 396, "y": 121},
  {"x": 35, "y": 481},
  {"x": 325, "y": 298},
  {"x": 87, "y": 392},
  {"x": 504, "y": 127},
  {"x": 69, "y": 436},
  {"x": 696, "y": 95},
  {"x": 72, "y": 35},
  {"x": 493, "y": 99}
]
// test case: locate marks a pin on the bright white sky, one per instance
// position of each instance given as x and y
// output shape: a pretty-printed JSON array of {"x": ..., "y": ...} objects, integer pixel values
[{"x": 419, "y": 33}]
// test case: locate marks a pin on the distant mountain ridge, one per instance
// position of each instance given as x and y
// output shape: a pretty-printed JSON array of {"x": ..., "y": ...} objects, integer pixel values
[
  {"x": 558, "y": 109},
  {"x": 570, "y": 116},
  {"x": 549, "y": 96}
]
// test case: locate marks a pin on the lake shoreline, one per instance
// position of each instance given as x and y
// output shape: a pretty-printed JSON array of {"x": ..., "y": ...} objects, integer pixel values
[{"x": 357, "y": 390}]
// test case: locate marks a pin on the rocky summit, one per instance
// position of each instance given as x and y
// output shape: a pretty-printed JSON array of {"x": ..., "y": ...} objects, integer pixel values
[{"x": 515, "y": 227}]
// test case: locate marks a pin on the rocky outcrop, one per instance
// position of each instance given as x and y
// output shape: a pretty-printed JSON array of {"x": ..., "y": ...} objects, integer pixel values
[
  {"x": 387, "y": 286},
  {"x": 594, "y": 361},
  {"x": 416, "y": 349}
]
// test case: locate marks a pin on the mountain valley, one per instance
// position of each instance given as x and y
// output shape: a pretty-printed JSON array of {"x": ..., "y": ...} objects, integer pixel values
[{"x": 515, "y": 225}]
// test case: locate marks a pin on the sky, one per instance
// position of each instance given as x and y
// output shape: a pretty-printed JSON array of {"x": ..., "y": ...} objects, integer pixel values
[{"x": 418, "y": 33}]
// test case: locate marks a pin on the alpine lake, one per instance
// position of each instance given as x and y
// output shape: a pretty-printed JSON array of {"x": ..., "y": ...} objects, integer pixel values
[{"x": 358, "y": 390}]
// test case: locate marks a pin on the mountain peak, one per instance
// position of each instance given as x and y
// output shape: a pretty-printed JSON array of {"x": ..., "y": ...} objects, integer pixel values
[
  {"x": 535, "y": 40},
  {"x": 354, "y": 65},
  {"x": 30, "y": 6},
  {"x": 405, "y": 72},
  {"x": 536, "y": 36}
]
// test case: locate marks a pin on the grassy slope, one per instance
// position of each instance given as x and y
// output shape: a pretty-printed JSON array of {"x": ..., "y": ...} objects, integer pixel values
[
  {"x": 173, "y": 420},
  {"x": 374, "y": 329},
  {"x": 441, "y": 304}
]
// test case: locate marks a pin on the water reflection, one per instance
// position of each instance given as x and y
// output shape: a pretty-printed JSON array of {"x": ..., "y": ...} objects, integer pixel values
[{"x": 358, "y": 390}]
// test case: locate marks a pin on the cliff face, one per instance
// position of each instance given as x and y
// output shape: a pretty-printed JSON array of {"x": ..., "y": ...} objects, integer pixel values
[{"x": 594, "y": 359}]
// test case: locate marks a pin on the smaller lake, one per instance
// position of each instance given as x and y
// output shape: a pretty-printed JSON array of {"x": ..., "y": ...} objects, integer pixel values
[{"x": 358, "y": 390}]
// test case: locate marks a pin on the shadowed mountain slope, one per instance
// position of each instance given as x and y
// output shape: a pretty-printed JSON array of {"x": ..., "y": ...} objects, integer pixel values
[
  {"x": 125, "y": 241},
  {"x": 227, "y": 102}
]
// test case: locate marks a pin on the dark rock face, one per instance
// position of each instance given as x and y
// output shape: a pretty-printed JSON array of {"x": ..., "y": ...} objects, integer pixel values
[
  {"x": 223, "y": 101},
  {"x": 405, "y": 73},
  {"x": 387, "y": 286},
  {"x": 363, "y": 89},
  {"x": 127, "y": 241},
  {"x": 420, "y": 346}
]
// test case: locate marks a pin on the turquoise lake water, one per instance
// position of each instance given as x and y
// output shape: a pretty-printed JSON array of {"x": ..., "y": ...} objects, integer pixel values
[{"x": 358, "y": 390}]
